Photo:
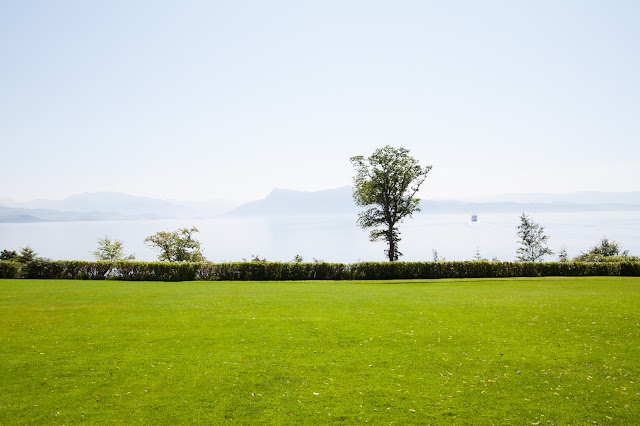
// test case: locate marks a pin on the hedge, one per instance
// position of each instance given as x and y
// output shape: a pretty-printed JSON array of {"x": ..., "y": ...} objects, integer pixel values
[
  {"x": 275, "y": 271},
  {"x": 9, "y": 269}
]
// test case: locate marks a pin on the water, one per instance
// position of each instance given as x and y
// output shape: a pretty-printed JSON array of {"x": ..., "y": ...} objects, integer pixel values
[{"x": 332, "y": 239}]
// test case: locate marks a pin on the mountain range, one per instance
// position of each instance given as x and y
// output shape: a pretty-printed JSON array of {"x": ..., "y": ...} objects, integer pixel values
[
  {"x": 108, "y": 206},
  {"x": 283, "y": 202}
]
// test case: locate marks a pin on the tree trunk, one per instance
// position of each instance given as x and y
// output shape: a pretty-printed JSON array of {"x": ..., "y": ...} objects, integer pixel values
[{"x": 392, "y": 244}]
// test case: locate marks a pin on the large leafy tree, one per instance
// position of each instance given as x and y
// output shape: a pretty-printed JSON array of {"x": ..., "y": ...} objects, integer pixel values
[
  {"x": 532, "y": 240},
  {"x": 110, "y": 250},
  {"x": 386, "y": 184},
  {"x": 177, "y": 246}
]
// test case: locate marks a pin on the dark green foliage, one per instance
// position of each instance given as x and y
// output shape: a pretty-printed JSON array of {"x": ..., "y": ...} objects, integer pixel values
[
  {"x": 606, "y": 251},
  {"x": 630, "y": 269},
  {"x": 276, "y": 271},
  {"x": 9, "y": 269},
  {"x": 156, "y": 271},
  {"x": 119, "y": 270},
  {"x": 606, "y": 248},
  {"x": 26, "y": 255},
  {"x": 8, "y": 255},
  {"x": 66, "y": 269},
  {"x": 386, "y": 184},
  {"x": 43, "y": 269},
  {"x": 270, "y": 271}
]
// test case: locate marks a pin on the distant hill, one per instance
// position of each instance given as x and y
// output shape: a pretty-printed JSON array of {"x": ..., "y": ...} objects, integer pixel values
[
  {"x": 504, "y": 207},
  {"x": 585, "y": 197},
  {"x": 19, "y": 218},
  {"x": 282, "y": 202},
  {"x": 20, "y": 215},
  {"x": 111, "y": 202},
  {"x": 286, "y": 202},
  {"x": 108, "y": 206}
]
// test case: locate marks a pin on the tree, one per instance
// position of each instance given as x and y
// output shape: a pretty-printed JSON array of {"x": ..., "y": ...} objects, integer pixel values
[
  {"x": 606, "y": 248},
  {"x": 436, "y": 256},
  {"x": 8, "y": 255},
  {"x": 606, "y": 251},
  {"x": 477, "y": 256},
  {"x": 176, "y": 246},
  {"x": 110, "y": 250},
  {"x": 533, "y": 241},
  {"x": 562, "y": 255},
  {"x": 386, "y": 183},
  {"x": 26, "y": 255}
]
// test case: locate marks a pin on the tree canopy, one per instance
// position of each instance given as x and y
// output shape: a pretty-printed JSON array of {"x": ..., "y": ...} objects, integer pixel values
[
  {"x": 27, "y": 254},
  {"x": 386, "y": 184},
  {"x": 533, "y": 241},
  {"x": 8, "y": 255},
  {"x": 176, "y": 246},
  {"x": 606, "y": 251},
  {"x": 110, "y": 250},
  {"x": 606, "y": 248}
]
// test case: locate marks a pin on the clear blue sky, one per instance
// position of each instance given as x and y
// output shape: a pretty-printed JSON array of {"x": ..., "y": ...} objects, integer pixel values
[{"x": 230, "y": 99}]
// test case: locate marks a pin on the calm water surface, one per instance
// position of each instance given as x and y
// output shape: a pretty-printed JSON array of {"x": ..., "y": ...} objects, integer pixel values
[{"x": 332, "y": 239}]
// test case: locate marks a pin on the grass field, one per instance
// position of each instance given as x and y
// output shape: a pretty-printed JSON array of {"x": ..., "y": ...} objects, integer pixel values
[{"x": 509, "y": 351}]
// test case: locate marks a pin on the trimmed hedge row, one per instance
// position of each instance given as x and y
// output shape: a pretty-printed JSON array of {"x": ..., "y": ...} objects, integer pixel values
[
  {"x": 275, "y": 271},
  {"x": 9, "y": 269}
]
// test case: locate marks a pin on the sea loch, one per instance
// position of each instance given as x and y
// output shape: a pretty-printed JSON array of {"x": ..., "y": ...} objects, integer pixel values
[{"x": 332, "y": 238}]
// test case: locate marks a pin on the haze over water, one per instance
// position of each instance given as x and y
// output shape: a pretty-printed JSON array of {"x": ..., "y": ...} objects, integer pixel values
[{"x": 331, "y": 238}]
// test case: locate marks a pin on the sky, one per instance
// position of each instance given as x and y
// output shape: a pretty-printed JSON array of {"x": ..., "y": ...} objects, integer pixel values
[{"x": 200, "y": 100}]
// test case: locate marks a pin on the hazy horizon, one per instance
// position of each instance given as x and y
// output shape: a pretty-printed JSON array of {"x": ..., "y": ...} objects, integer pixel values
[
  {"x": 225, "y": 100},
  {"x": 470, "y": 198},
  {"x": 332, "y": 239}
]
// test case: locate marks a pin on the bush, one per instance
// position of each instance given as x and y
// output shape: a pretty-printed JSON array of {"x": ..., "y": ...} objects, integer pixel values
[
  {"x": 629, "y": 269},
  {"x": 155, "y": 271},
  {"x": 66, "y": 269},
  {"x": 42, "y": 269},
  {"x": 8, "y": 255},
  {"x": 606, "y": 251},
  {"x": 591, "y": 257},
  {"x": 276, "y": 271},
  {"x": 9, "y": 269}
]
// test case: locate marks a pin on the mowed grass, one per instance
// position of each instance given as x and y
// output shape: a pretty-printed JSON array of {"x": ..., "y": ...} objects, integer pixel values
[{"x": 519, "y": 351}]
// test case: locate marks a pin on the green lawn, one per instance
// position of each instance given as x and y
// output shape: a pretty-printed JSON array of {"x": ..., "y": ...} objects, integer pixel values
[{"x": 518, "y": 351}]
